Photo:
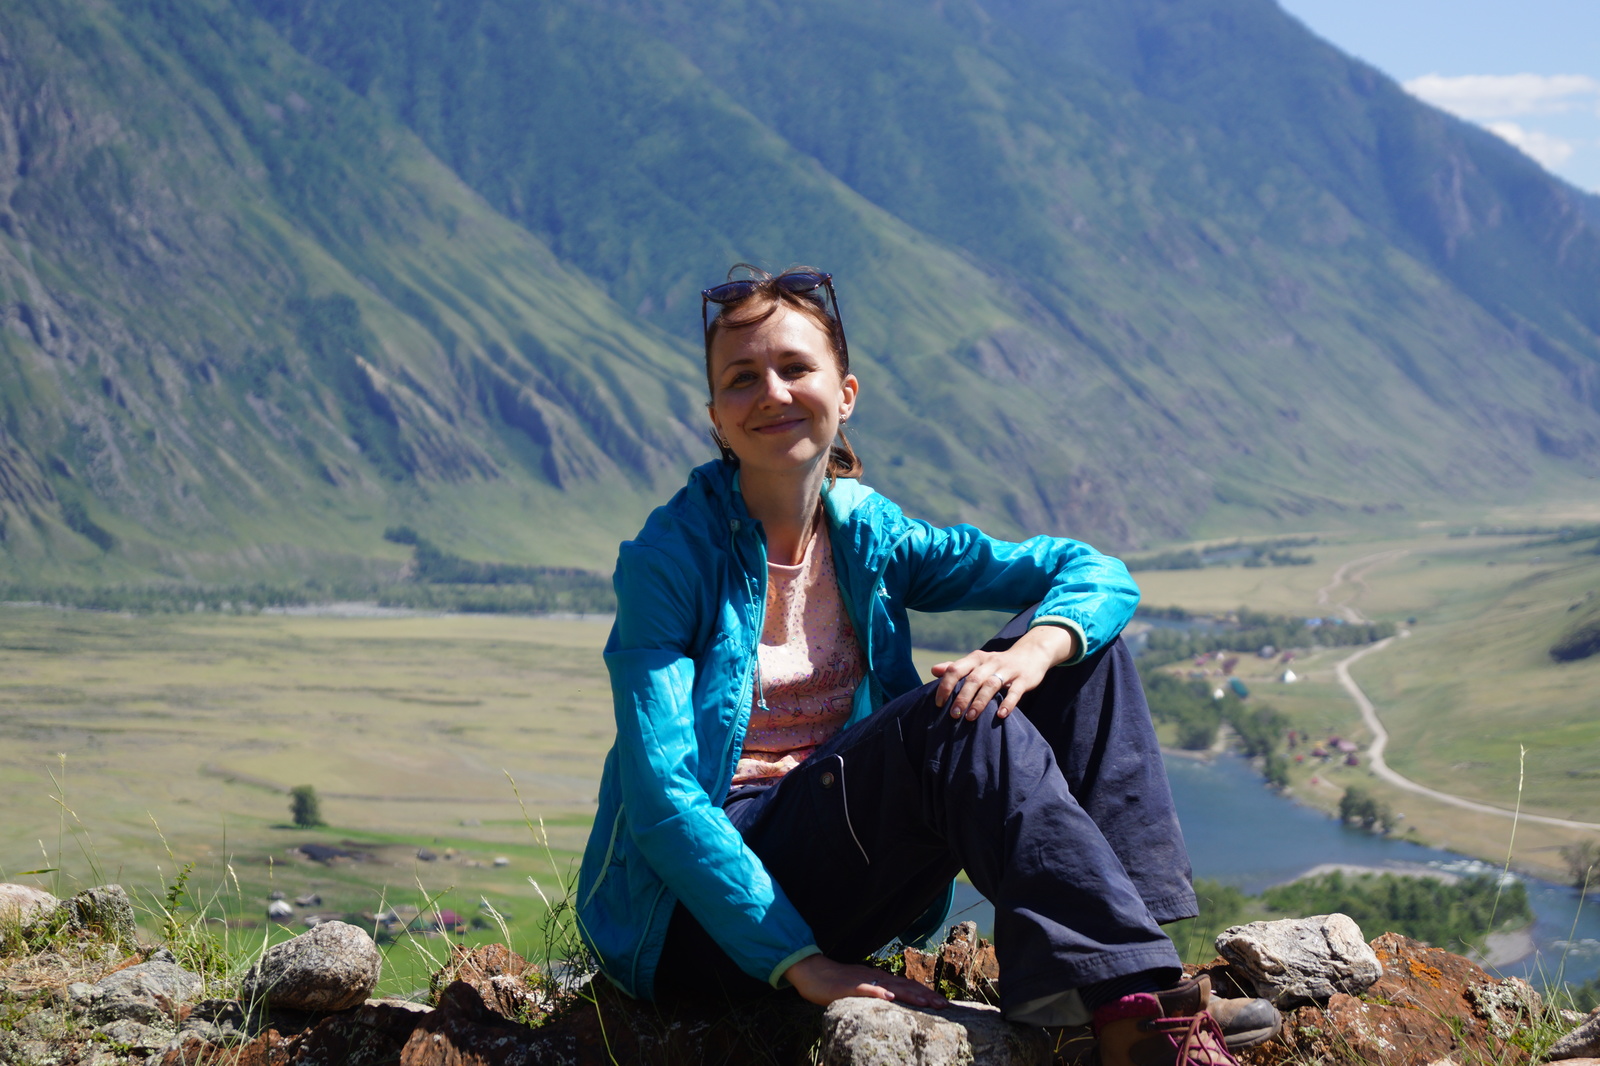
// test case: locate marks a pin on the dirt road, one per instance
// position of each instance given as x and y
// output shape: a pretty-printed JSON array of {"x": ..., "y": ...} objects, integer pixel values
[{"x": 1380, "y": 741}]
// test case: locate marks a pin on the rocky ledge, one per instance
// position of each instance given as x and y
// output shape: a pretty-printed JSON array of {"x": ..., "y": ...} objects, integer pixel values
[{"x": 308, "y": 1001}]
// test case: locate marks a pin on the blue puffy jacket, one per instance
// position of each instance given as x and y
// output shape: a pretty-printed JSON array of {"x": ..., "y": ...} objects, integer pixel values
[{"x": 691, "y": 591}]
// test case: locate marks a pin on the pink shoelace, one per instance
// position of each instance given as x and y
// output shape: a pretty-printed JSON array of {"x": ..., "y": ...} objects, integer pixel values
[{"x": 1198, "y": 1039}]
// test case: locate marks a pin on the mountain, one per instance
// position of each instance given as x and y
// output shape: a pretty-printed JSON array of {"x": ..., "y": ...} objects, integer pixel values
[{"x": 280, "y": 273}]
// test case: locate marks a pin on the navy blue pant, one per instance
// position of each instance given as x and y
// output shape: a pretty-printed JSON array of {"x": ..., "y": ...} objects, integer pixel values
[{"x": 1061, "y": 815}]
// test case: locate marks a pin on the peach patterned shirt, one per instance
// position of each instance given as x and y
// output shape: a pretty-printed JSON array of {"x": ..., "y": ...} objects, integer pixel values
[{"x": 810, "y": 666}]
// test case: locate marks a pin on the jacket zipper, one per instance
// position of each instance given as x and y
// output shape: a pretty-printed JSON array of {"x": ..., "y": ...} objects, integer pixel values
[{"x": 755, "y": 588}]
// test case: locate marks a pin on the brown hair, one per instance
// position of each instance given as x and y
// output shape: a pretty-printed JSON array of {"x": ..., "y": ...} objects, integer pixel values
[{"x": 762, "y": 303}]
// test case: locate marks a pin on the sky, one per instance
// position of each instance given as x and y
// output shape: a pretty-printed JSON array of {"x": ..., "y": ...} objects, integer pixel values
[{"x": 1529, "y": 70}]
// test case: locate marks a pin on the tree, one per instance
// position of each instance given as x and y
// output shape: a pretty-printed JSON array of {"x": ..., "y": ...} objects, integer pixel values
[
  {"x": 1361, "y": 807},
  {"x": 1276, "y": 770},
  {"x": 305, "y": 806},
  {"x": 1583, "y": 864}
]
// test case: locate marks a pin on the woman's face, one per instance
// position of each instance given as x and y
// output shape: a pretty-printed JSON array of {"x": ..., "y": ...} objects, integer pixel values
[{"x": 777, "y": 396}]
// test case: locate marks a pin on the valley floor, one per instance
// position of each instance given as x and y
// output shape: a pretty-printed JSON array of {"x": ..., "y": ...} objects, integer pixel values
[{"x": 130, "y": 746}]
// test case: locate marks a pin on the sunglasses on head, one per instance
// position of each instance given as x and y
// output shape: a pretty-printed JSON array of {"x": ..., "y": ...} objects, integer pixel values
[{"x": 799, "y": 283}]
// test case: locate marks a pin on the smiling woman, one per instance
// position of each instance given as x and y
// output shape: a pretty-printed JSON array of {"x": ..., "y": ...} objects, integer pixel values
[{"x": 785, "y": 794}]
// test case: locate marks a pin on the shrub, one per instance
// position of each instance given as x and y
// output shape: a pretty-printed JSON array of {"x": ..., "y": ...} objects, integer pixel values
[
  {"x": 1583, "y": 864},
  {"x": 305, "y": 807}
]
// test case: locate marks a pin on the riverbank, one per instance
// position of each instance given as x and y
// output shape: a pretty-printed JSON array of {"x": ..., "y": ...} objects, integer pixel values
[
  {"x": 1485, "y": 747},
  {"x": 1247, "y": 836}
]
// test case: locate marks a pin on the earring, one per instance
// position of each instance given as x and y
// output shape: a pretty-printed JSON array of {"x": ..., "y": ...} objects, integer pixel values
[{"x": 722, "y": 446}]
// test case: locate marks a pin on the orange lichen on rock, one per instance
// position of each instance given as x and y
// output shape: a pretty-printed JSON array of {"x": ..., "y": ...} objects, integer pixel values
[{"x": 1423, "y": 972}]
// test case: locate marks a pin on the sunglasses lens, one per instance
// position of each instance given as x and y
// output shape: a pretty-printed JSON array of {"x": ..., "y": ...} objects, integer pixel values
[
  {"x": 730, "y": 292},
  {"x": 799, "y": 284}
]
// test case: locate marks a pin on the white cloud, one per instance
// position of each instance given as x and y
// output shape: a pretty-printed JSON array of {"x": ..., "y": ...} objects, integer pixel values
[
  {"x": 1549, "y": 151},
  {"x": 1486, "y": 96}
]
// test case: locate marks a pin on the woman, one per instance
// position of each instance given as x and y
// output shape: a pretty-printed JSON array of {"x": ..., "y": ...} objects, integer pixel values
[{"x": 785, "y": 795}]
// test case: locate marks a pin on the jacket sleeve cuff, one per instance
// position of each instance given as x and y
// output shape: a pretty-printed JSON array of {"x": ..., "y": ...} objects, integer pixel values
[
  {"x": 775, "y": 979},
  {"x": 1064, "y": 623}
]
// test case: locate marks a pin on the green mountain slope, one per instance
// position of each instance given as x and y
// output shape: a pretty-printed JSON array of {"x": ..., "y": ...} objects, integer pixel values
[
  {"x": 248, "y": 311},
  {"x": 1228, "y": 261},
  {"x": 277, "y": 274}
]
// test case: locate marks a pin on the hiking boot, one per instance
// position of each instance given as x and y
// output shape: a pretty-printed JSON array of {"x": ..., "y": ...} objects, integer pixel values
[
  {"x": 1168, "y": 1028},
  {"x": 1244, "y": 1022}
]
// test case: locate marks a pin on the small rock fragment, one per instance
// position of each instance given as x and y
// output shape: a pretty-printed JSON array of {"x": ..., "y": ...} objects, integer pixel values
[
  {"x": 968, "y": 964},
  {"x": 1300, "y": 960},
  {"x": 216, "y": 1021},
  {"x": 874, "y": 1032},
  {"x": 1507, "y": 1005},
  {"x": 1582, "y": 1042},
  {"x": 81, "y": 995},
  {"x": 135, "y": 1036},
  {"x": 107, "y": 912},
  {"x": 333, "y": 966},
  {"x": 24, "y": 903},
  {"x": 149, "y": 993}
]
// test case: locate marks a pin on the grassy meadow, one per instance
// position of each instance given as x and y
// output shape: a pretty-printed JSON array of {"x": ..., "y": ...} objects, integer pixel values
[
  {"x": 131, "y": 745},
  {"x": 407, "y": 727}
]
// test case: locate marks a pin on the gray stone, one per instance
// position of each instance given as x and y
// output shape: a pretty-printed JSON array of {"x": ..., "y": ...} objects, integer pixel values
[
  {"x": 333, "y": 966},
  {"x": 1302, "y": 960},
  {"x": 24, "y": 904},
  {"x": 1582, "y": 1043},
  {"x": 149, "y": 993},
  {"x": 875, "y": 1032},
  {"x": 410, "y": 1005},
  {"x": 216, "y": 1021},
  {"x": 81, "y": 995},
  {"x": 134, "y": 1036},
  {"x": 107, "y": 912},
  {"x": 1508, "y": 1006},
  {"x": 45, "y": 1024}
]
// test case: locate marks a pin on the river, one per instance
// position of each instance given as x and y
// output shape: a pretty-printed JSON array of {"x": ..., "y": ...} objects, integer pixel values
[{"x": 1241, "y": 833}]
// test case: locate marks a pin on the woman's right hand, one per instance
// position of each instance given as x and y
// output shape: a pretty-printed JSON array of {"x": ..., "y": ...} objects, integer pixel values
[{"x": 820, "y": 980}]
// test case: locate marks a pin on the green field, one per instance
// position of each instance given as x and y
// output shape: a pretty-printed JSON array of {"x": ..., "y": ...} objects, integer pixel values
[{"x": 407, "y": 727}]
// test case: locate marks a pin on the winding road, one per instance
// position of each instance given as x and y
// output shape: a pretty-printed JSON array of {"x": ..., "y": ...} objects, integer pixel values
[{"x": 1369, "y": 714}]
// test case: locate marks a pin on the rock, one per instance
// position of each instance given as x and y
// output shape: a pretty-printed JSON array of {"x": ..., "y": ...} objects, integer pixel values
[
  {"x": 968, "y": 965},
  {"x": 369, "y": 1034},
  {"x": 333, "y": 966},
  {"x": 81, "y": 995},
  {"x": 1424, "y": 1009},
  {"x": 1301, "y": 960},
  {"x": 874, "y": 1032},
  {"x": 149, "y": 993},
  {"x": 134, "y": 1036},
  {"x": 107, "y": 912},
  {"x": 216, "y": 1021},
  {"x": 25, "y": 904},
  {"x": 965, "y": 967},
  {"x": 1506, "y": 1005},
  {"x": 1582, "y": 1042},
  {"x": 500, "y": 977}
]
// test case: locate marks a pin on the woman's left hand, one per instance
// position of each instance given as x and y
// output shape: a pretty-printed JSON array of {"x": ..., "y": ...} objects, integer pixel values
[{"x": 1007, "y": 675}]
